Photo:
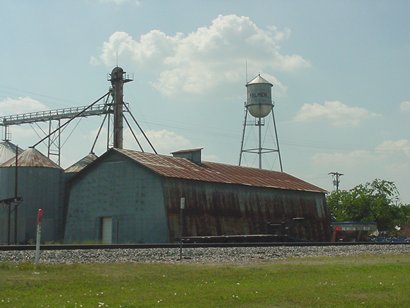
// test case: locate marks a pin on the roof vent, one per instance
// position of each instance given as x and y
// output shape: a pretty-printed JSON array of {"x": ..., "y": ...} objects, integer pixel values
[{"x": 193, "y": 155}]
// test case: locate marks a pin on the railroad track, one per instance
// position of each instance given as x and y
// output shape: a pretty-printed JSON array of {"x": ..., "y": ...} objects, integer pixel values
[{"x": 189, "y": 245}]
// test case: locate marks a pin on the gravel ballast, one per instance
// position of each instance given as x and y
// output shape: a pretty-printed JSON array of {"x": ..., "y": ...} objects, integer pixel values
[{"x": 198, "y": 255}]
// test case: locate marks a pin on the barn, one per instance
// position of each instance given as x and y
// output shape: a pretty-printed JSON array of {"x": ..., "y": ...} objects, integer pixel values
[{"x": 127, "y": 196}]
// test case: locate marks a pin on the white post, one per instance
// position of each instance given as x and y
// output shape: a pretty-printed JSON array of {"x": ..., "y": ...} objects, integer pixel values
[
  {"x": 40, "y": 214},
  {"x": 181, "y": 224}
]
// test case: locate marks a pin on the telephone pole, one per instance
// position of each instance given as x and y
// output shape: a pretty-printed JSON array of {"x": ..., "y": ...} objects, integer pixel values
[{"x": 336, "y": 175}]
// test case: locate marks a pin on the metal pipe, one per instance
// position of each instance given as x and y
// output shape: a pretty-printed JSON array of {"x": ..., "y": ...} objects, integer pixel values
[
  {"x": 277, "y": 141},
  {"x": 98, "y": 133},
  {"x": 260, "y": 143},
  {"x": 243, "y": 135},
  {"x": 141, "y": 130},
  {"x": 132, "y": 132},
  {"x": 8, "y": 225},
  {"x": 117, "y": 82},
  {"x": 75, "y": 116},
  {"x": 108, "y": 131},
  {"x": 15, "y": 196},
  {"x": 49, "y": 139}
]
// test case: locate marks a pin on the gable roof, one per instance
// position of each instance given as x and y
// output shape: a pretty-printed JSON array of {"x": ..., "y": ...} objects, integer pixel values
[{"x": 182, "y": 168}]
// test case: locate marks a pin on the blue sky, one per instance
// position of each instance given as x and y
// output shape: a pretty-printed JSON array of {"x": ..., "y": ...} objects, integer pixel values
[{"x": 340, "y": 70}]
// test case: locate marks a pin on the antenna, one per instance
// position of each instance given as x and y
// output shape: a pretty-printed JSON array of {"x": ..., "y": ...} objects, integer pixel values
[
  {"x": 246, "y": 71},
  {"x": 116, "y": 58}
]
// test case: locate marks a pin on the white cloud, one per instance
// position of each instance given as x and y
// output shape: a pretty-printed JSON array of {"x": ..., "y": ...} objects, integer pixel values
[
  {"x": 384, "y": 154},
  {"x": 405, "y": 106},
  {"x": 18, "y": 105},
  {"x": 121, "y": 2},
  {"x": 210, "y": 157},
  {"x": 24, "y": 134},
  {"x": 353, "y": 158},
  {"x": 390, "y": 147},
  {"x": 389, "y": 160},
  {"x": 202, "y": 60},
  {"x": 335, "y": 112},
  {"x": 165, "y": 141}
]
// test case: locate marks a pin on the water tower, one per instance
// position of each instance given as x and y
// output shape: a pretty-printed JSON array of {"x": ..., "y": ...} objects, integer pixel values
[{"x": 259, "y": 105}]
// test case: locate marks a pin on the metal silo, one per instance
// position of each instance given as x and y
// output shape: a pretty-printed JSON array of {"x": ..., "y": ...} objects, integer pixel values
[
  {"x": 40, "y": 184},
  {"x": 7, "y": 151},
  {"x": 81, "y": 164}
]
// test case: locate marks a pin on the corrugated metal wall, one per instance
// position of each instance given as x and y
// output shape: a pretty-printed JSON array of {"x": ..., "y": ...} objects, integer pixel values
[
  {"x": 144, "y": 207},
  {"x": 40, "y": 188},
  {"x": 219, "y": 209},
  {"x": 120, "y": 189}
]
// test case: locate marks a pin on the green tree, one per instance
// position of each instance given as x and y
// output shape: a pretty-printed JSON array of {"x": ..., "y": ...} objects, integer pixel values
[
  {"x": 405, "y": 214},
  {"x": 375, "y": 201}
]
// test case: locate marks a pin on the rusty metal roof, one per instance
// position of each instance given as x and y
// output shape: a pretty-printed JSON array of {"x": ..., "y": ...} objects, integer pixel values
[
  {"x": 82, "y": 163},
  {"x": 182, "y": 168},
  {"x": 31, "y": 158}
]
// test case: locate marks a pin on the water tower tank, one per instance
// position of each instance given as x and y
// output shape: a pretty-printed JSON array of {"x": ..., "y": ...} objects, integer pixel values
[{"x": 259, "y": 98}]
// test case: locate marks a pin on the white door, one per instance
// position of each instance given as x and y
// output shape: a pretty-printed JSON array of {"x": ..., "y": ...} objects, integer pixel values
[{"x": 106, "y": 231}]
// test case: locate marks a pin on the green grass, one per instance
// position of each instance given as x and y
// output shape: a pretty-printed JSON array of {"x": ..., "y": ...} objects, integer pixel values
[{"x": 379, "y": 281}]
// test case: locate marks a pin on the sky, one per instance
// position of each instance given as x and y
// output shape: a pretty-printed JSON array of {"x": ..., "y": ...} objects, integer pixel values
[{"x": 340, "y": 72}]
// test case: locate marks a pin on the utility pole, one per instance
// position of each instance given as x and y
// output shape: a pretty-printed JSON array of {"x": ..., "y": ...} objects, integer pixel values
[
  {"x": 336, "y": 175},
  {"x": 15, "y": 196}
]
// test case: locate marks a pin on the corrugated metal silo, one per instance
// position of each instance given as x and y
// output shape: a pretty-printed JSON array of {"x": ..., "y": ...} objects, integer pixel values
[
  {"x": 81, "y": 164},
  {"x": 40, "y": 184},
  {"x": 7, "y": 151}
]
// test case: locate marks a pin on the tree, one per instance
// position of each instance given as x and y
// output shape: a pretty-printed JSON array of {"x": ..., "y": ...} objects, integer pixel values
[{"x": 375, "y": 201}]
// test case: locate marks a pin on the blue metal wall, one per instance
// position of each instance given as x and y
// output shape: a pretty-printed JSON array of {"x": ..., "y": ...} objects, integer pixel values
[
  {"x": 40, "y": 188},
  {"x": 118, "y": 188}
]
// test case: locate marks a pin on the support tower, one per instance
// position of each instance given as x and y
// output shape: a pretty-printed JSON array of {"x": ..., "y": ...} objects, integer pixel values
[
  {"x": 259, "y": 105},
  {"x": 118, "y": 78}
]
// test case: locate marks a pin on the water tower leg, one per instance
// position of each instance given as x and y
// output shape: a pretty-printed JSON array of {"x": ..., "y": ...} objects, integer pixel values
[
  {"x": 277, "y": 141},
  {"x": 260, "y": 142},
  {"x": 243, "y": 135}
]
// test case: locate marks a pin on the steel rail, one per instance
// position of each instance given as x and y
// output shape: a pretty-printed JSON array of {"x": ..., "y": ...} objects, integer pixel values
[{"x": 190, "y": 245}]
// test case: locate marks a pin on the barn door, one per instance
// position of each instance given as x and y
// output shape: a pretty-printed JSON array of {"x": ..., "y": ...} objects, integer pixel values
[{"x": 106, "y": 230}]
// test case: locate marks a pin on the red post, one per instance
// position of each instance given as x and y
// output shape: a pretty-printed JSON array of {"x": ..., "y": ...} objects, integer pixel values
[
  {"x": 40, "y": 214},
  {"x": 337, "y": 229}
]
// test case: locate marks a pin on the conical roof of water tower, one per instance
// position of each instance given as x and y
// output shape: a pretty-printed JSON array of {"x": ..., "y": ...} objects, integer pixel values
[{"x": 258, "y": 79}]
